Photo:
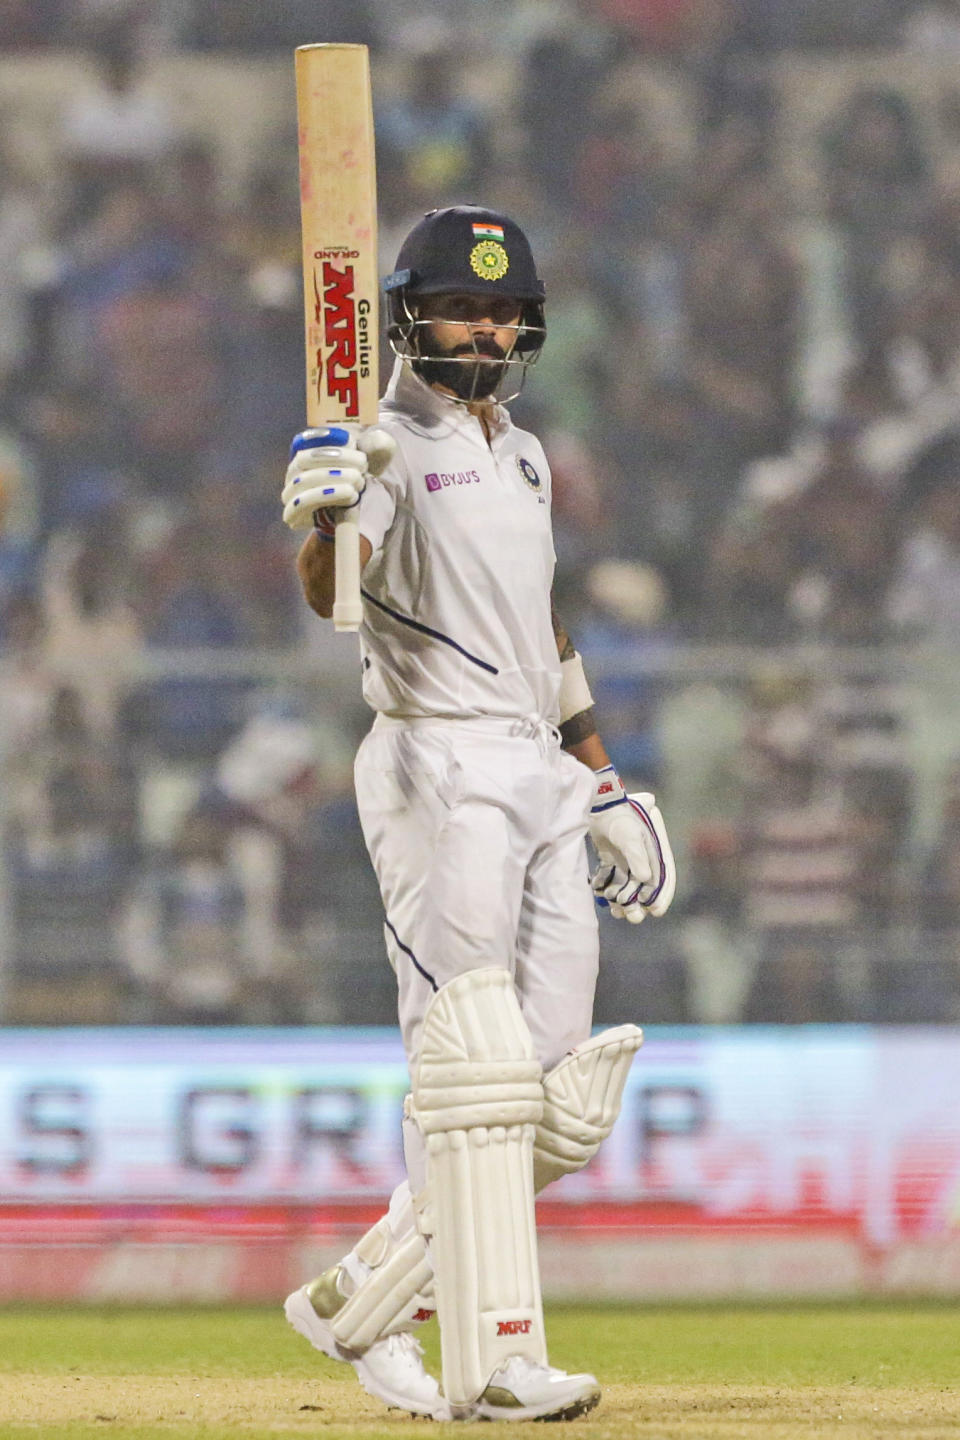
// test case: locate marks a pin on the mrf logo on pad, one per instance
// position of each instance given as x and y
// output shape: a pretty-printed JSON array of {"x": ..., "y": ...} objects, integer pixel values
[
  {"x": 513, "y": 1327},
  {"x": 341, "y": 333}
]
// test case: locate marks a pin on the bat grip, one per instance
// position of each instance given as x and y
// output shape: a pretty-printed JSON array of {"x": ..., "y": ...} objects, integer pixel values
[{"x": 347, "y": 604}]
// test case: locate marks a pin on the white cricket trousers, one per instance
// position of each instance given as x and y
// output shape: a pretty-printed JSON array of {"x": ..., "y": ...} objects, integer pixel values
[{"x": 476, "y": 832}]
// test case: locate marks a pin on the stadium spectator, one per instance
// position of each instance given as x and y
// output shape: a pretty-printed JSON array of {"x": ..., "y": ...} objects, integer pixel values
[
  {"x": 188, "y": 601},
  {"x": 70, "y": 849},
  {"x": 261, "y": 350},
  {"x": 32, "y": 24},
  {"x": 799, "y": 864},
  {"x": 22, "y": 236},
  {"x": 568, "y": 386},
  {"x": 92, "y": 637},
  {"x": 940, "y": 898},
  {"x": 932, "y": 27},
  {"x": 878, "y": 189},
  {"x": 283, "y": 793},
  {"x": 158, "y": 348},
  {"x": 19, "y": 520},
  {"x": 559, "y": 77},
  {"x": 816, "y": 561},
  {"x": 924, "y": 599},
  {"x": 120, "y": 122},
  {"x": 183, "y": 932},
  {"x": 742, "y": 315},
  {"x": 663, "y": 27},
  {"x": 223, "y": 25},
  {"x": 434, "y": 136},
  {"x": 26, "y": 684},
  {"x": 119, "y": 249}
]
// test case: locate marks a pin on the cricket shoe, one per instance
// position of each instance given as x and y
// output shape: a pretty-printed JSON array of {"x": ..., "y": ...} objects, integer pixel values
[
  {"x": 523, "y": 1390},
  {"x": 392, "y": 1369}
]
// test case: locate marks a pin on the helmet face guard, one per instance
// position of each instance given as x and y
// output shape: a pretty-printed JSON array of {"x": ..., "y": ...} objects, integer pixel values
[
  {"x": 476, "y": 374},
  {"x": 464, "y": 250}
]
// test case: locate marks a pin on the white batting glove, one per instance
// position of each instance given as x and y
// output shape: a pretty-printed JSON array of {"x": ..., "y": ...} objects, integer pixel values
[
  {"x": 329, "y": 469},
  {"x": 636, "y": 875}
]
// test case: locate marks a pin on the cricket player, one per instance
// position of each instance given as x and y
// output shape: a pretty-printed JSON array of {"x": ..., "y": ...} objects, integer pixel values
[{"x": 480, "y": 778}]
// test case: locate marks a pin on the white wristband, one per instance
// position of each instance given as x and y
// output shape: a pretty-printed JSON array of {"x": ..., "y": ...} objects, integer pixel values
[{"x": 574, "y": 691}]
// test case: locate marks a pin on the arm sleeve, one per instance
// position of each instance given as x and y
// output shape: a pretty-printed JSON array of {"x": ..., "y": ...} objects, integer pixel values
[{"x": 378, "y": 503}]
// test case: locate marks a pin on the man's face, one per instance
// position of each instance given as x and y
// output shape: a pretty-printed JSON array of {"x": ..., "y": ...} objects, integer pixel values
[
  {"x": 470, "y": 325},
  {"x": 458, "y": 318}
]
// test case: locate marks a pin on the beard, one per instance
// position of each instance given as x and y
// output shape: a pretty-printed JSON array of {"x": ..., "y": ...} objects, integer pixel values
[{"x": 467, "y": 381}]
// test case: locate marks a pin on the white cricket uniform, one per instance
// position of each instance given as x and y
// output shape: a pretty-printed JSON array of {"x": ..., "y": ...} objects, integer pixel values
[{"x": 473, "y": 815}]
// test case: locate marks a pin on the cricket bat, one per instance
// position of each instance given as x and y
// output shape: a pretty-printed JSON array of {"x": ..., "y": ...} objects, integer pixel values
[{"x": 338, "y": 219}]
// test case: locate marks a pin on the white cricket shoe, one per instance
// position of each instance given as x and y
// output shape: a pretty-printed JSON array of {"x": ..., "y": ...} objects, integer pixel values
[
  {"x": 523, "y": 1390},
  {"x": 392, "y": 1369}
]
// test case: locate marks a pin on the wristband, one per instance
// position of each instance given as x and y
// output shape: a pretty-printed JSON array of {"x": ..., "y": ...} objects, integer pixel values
[{"x": 575, "y": 694}]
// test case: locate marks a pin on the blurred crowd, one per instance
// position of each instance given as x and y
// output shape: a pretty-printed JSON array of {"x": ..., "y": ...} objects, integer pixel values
[{"x": 747, "y": 214}]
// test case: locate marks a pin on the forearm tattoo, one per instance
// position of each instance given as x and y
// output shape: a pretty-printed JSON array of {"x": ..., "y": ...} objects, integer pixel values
[
  {"x": 577, "y": 728},
  {"x": 564, "y": 644}
]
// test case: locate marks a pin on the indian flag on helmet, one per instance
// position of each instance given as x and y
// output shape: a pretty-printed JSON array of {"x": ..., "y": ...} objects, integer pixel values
[{"x": 486, "y": 230}]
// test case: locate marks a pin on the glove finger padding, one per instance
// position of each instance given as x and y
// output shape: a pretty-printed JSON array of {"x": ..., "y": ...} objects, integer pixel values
[
  {"x": 327, "y": 457},
  {"x": 303, "y": 495},
  {"x": 636, "y": 875},
  {"x": 616, "y": 889},
  {"x": 328, "y": 470}
]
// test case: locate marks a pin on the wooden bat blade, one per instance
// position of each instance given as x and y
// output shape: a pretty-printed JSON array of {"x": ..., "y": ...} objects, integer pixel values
[
  {"x": 339, "y": 230},
  {"x": 338, "y": 218}
]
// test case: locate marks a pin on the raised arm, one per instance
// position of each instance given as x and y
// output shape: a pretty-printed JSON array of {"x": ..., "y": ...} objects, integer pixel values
[
  {"x": 315, "y": 569},
  {"x": 328, "y": 471}
]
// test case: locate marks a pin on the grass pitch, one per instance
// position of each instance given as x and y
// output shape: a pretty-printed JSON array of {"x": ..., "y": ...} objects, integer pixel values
[{"x": 679, "y": 1373}]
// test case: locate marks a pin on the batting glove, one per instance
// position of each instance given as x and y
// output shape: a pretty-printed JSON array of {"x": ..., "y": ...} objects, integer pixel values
[
  {"x": 329, "y": 470},
  {"x": 636, "y": 875}
]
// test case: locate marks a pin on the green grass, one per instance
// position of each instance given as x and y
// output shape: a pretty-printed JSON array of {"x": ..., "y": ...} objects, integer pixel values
[
  {"x": 800, "y": 1345},
  {"x": 805, "y": 1345},
  {"x": 708, "y": 1373}
]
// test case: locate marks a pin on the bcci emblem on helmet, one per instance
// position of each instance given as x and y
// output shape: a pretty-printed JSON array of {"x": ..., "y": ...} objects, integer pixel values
[{"x": 489, "y": 260}]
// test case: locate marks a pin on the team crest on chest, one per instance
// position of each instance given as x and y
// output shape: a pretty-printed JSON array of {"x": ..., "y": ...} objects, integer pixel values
[{"x": 529, "y": 475}]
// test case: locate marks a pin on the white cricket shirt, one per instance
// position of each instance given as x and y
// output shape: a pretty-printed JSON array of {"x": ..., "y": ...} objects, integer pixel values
[{"x": 457, "y": 592}]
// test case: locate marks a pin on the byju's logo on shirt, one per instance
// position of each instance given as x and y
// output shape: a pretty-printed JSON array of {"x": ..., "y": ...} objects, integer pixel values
[{"x": 460, "y": 477}]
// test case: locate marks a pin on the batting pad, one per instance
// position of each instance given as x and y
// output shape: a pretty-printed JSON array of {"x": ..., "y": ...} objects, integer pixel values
[
  {"x": 581, "y": 1102},
  {"x": 477, "y": 1096},
  {"x": 391, "y": 1295}
]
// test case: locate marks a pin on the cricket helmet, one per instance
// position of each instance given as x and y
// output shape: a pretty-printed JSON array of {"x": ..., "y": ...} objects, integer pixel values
[{"x": 465, "y": 250}]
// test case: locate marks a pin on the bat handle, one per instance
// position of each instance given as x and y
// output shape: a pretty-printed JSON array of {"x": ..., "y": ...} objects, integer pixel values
[{"x": 347, "y": 604}]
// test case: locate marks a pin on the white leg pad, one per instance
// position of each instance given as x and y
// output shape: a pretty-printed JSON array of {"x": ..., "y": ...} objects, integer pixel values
[
  {"x": 398, "y": 1287},
  {"x": 477, "y": 1096},
  {"x": 582, "y": 1096},
  {"x": 581, "y": 1102}
]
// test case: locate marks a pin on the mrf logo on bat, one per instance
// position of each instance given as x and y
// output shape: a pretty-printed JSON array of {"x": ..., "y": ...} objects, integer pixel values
[{"x": 341, "y": 332}]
